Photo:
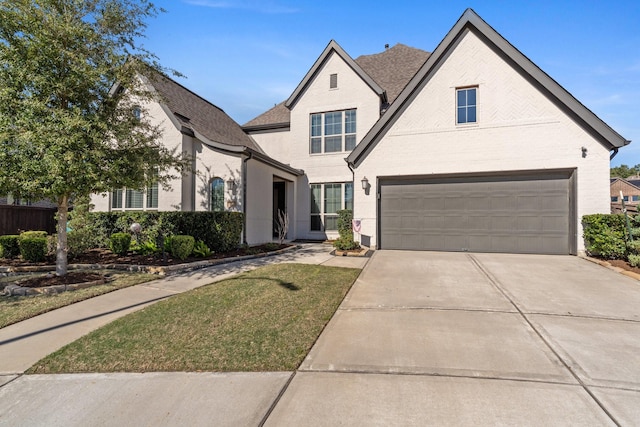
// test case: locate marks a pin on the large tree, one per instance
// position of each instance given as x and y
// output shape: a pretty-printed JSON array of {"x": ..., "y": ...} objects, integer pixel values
[
  {"x": 72, "y": 102},
  {"x": 624, "y": 171}
]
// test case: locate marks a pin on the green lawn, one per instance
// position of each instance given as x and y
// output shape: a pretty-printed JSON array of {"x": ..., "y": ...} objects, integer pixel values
[
  {"x": 15, "y": 309},
  {"x": 264, "y": 320}
]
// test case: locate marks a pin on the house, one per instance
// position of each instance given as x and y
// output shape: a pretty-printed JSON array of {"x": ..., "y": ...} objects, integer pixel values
[
  {"x": 629, "y": 187},
  {"x": 469, "y": 148},
  {"x": 229, "y": 171}
]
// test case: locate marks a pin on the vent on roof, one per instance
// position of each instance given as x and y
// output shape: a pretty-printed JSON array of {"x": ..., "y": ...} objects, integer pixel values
[{"x": 333, "y": 81}]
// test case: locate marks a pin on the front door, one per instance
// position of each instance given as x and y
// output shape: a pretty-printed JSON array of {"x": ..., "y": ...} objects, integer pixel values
[{"x": 279, "y": 204}]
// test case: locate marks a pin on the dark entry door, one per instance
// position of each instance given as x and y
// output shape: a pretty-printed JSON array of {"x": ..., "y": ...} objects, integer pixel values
[{"x": 279, "y": 204}]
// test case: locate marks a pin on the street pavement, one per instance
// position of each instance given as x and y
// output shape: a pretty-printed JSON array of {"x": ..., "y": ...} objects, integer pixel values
[{"x": 422, "y": 338}]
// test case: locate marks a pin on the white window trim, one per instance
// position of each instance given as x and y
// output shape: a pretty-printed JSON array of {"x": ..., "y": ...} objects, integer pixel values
[
  {"x": 124, "y": 201},
  {"x": 343, "y": 135},
  {"x": 467, "y": 124},
  {"x": 322, "y": 214}
]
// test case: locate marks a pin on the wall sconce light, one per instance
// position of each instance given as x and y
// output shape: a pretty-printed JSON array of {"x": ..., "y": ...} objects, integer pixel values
[
  {"x": 231, "y": 184},
  {"x": 365, "y": 183},
  {"x": 584, "y": 151}
]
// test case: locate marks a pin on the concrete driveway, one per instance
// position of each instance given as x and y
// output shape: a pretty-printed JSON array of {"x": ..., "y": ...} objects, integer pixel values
[{"x": 427, "y": 338}]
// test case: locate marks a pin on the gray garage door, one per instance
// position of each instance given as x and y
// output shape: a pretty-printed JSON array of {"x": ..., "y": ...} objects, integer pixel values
[{"x": 517, "y": 214}]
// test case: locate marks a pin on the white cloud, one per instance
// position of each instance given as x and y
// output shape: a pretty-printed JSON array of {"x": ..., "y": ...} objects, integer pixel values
[{"x": 269, "y": 7}]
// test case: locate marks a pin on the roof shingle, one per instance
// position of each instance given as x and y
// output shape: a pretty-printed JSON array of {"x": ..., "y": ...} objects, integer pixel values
[
  {"x": 200, "y": 115},
  {"x": 391, "y": 70}
]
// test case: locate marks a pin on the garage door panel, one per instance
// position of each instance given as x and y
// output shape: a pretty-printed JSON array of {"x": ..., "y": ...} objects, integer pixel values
[{"x": 521, "y": 214}]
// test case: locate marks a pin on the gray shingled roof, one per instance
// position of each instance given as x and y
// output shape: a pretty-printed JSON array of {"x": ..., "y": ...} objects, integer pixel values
[
  {"x": 199, "y": 115},
  {"x": 391, "y": 70}
]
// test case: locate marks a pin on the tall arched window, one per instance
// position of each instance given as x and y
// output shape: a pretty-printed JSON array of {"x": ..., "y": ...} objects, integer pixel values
[{"x": 217, "y": 195}]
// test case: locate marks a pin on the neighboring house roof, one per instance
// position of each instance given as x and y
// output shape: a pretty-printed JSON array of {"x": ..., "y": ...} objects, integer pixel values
[
  {"x": 195, "y": 116},
  {"x": 471, "y": 21},
  {"x": 634, "y": 182},
  {"x": 387, "y": 73}
]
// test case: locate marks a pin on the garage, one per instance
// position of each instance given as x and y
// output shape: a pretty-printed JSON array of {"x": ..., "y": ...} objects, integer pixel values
[{"x": 515, "y": 213}]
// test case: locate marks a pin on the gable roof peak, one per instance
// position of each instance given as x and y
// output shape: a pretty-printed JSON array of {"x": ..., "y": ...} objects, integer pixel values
[{"x": 332, "y": 48}]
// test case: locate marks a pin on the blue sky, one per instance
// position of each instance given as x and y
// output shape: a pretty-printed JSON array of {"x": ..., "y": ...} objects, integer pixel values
[{"x": 245, "y": 55}]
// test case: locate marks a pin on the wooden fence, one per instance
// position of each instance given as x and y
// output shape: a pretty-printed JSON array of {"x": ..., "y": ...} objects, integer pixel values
[{"x": 14, "y": 219}]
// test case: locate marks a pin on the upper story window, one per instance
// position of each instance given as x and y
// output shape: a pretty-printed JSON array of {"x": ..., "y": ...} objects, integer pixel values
[
  {"x": 333, "y": 81},
  {"x": 333, "y": 132},
  {"x": 466, "y": 106}
]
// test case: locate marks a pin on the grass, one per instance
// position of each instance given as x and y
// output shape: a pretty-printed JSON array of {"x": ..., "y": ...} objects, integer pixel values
[
  {"x": 17, "y": 308},
  {"x": 264, "y": 320}
]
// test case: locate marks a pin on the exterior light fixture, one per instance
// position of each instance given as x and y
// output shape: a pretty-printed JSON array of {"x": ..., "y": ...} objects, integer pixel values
[
  {"x": 231, "y": 184},
  {"x": 365, "y": 183}
]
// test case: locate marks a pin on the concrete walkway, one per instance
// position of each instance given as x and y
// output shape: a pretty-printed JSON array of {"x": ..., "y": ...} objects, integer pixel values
[{"x": 423, "y": 338}]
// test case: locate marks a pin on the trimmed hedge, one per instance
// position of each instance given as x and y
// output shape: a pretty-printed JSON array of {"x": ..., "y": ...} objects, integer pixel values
[
  {"x": 605, "y": 235},
  {"x": 220, "y": 231},
  {"x": 9, "y": 246},
  {"x": 119, "y": 243},
  {"x": 345, "y": 242},
  {"x": 182, "y": 246},
  {"x": 33, "y": 249}
]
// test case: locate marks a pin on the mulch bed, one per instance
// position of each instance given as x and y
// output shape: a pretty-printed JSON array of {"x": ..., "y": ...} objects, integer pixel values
[
  {"x": 623, "y": 264},
  {"x": 105, "y": 257},
  {"x": 71, "y": 278}
]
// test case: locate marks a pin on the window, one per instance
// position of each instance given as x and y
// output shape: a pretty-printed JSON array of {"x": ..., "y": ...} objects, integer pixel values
[
  {"x": 333, "y": 132},
  {"x": 217, "y": 195},
  {"x": 133, "y": 199},
  {"x": 326, "y": 201},
  {"x": 466, "y": 105},
  {"x": 614, "y": 199},
  {"x": 116, "y": 199},
  {"x": 127, "y": 198},
  {"x": 137, "y": 112},
  {"x": 635, "y": 198},
  {"x": 333, "y": 81},
  {"x": 625, "y": 198}
]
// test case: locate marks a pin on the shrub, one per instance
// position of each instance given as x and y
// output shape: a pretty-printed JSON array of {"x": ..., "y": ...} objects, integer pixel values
[
  {"x": 633, "y": 248},
  {"x": 182, "y": 246},
  {"x": 271, "y": 246},
  {"x": 200, "y": 249},
  {"x": 79, "y": 241},
  {"x": 33, "y": 249},
  {"x": 146, "y": 248},
  {"x": 28, "y": 234},
  {"x": 345, "y": 242},
  {"x": 634, "y": 260},
  {"x": 220, "y": 231},
  {"x": 9, "y": 246},
  {"x": 604, "y": 235},
  {"x": 119, "y": 243}
]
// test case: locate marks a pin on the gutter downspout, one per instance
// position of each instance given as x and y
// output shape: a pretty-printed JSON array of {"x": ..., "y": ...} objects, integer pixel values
[
  {"x": 244, "y": 197},
  {"x": 615, "y": 151}
]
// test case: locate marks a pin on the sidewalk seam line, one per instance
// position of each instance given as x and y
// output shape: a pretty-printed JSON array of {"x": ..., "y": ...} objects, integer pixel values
[{"x": 277, "y": 399}]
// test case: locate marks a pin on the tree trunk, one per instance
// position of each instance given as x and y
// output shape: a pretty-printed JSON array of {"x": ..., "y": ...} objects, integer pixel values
[{"x": 61, "y": 247}]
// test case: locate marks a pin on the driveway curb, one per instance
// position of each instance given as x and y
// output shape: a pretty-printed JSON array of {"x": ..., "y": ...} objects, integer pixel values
[{"x": 608, "y": 265}]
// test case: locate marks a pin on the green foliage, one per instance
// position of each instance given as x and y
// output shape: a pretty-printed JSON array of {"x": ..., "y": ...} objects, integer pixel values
[
  {"x": 624, "y": 171},
  {"x": 271, "y": 246},
  {"x": 64, "y": 133},
  {"x": 33, "y": 249},
  {"x": 634, "y": 260},
  {"x": 633, "y": 248},
  {"x": 145, "y": 248},
  {"x": 182, "y": 246},
  {"x": 220, "y": 231},
  {"x": 119, "y": 243},
  {"x": 29, "y": 234},
  {"x": 9, "y": 246},
  {"x": 604, "y": 235},
  {"x": 345, "y": 242},
  {"x": 200, "y": 249}
]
